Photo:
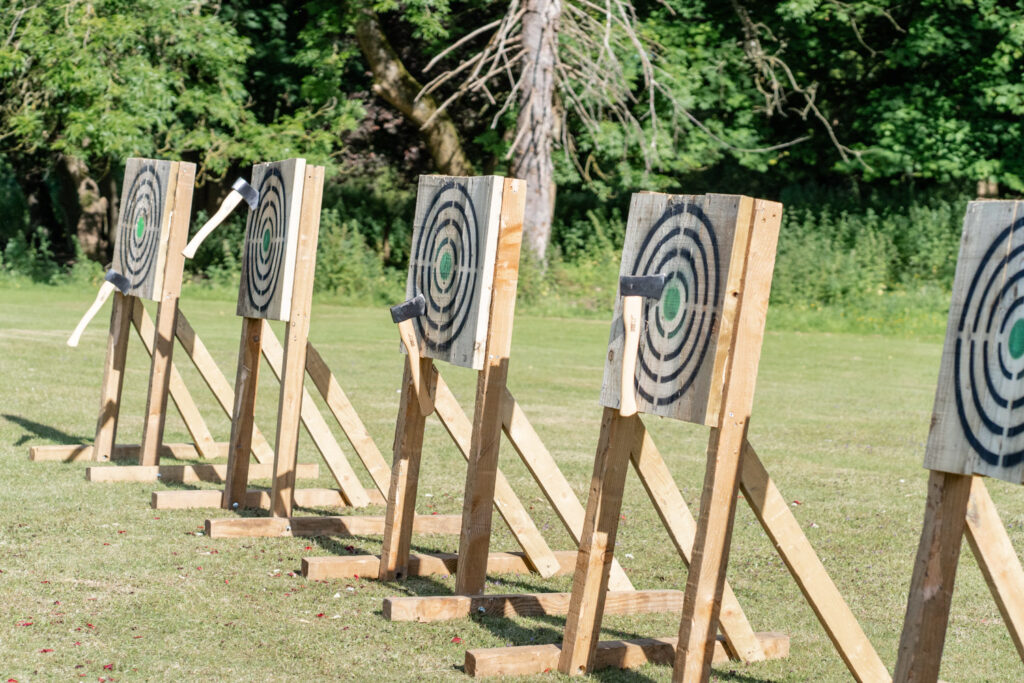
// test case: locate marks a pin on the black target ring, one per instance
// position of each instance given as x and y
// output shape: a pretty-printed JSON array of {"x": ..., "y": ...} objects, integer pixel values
[
  {"x": 140, "y": 226},
  {"x": 681, "y": 324},
  {"x": 446, "y": 258},
  {"x": 994, "y": 311},
  {"x": 265, "y": 241}
]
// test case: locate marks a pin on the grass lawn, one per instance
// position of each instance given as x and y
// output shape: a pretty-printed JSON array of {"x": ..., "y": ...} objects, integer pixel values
[{"x": 96, "y": 585}]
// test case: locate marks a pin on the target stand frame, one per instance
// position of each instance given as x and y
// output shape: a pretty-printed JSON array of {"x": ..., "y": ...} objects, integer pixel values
[
  {"x": 624, "y": 439},
  {"x": 165, "y": 381},
  {"x": 478, "y": 441},
  {"x": 958, "y": 449}
]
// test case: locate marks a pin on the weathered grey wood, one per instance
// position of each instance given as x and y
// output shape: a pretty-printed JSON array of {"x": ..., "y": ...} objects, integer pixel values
[
  {"x": 451, "y": 261},
  {"x": 143, "y": 229},
  {"x": 978, "y": 420},
  {"x": 271, "y": 236},
  {"x": 690, "y": 239}
]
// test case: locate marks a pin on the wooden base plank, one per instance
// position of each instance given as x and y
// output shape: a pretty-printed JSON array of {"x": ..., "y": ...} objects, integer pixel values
[
  {"x": 128, "y": 451},
  {"x": 252, "y": 527},
  {"x": 619, "y": 654},
  {"x": 257, "y": 499},
  {"x": 443, "y": 607},
  {"x": 186, "y": 474},
  {"x": 425, "y": 565}
]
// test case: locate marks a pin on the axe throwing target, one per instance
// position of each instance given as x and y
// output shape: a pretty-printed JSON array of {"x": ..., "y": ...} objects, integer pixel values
[
  {"x": 451, "y": 263},
  {"x": 141, "y": 242}
]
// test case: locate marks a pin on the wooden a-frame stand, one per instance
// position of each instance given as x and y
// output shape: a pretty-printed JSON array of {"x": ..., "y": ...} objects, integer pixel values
[
  {"x": 164, "y": 379},
  {"x": 732, "y": 466}
]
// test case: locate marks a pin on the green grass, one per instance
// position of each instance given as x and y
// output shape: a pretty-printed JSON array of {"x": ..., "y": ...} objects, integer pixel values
[{"x": 840, "y": 421}]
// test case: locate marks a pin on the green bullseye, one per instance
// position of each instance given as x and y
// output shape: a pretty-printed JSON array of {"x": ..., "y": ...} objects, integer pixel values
[
  {"x": 446, "y": 266},
  {"x": 266, "y": 240},
  {"x": 670, "y": 303},
  {"x": 1016, "y": 343},
  {"x": 140, "y": 227}
]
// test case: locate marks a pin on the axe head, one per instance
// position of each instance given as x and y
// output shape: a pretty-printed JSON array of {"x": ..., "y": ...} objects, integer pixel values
[
  {"x": 412, "y": 308},
  {"x": 120, "y": 281},
  {"x": 647, "y": 286},
  {"x": 248, "y": 192}
]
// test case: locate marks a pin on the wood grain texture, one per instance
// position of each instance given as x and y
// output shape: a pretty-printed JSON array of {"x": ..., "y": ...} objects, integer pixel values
[
  {"x": 271, "y": 239},
  {"x": 776, "y": 517},
  {"x": 444, "y": 564},
  {"x": 931, "y": 586},
  {"x": 243, "y": 412},
  {"x": 978, "y": 420},
  {"x": 269, "y": 527},
  {"x": 617, "y": 654},
  {"x": 691, "y": 240},
  {"x": 182, "y": 181},
  {"x": 482, "y": 470},
  {"x": 113, "y": 377},
  {"x": 757, "y": 230},
  {"x": 451, "y": 262},
  {"x": 142, "y": 235},
  {"x": 293, "y": 374}
]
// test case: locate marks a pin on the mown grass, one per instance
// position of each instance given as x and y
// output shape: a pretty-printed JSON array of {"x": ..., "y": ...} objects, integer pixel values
[{"x": 840, "y": 421}]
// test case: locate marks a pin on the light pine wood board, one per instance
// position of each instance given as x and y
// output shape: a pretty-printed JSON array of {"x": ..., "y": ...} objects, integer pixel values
[
  {"x": 451, "y": 262},
  {"x": 143, "y": 226},
  {"x": 690, "y": 239},
  {"x": 271, "y": 236},
  {"x": 978, "y": 420}
]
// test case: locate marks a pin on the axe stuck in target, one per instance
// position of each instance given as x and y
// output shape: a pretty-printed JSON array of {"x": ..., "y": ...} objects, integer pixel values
[
  {"x": 111, "y": 281},
  {"x": 239, "y": 190},
  {"x": 634, "y": 289},
  {"x": 403, "y": 315}
]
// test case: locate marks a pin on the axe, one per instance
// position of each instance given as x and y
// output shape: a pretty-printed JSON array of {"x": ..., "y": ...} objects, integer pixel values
[
  {"x": 111, "y": 281},
  {"x": 402, "y": 315},
  {"x": 633, "y": 289},
  {"x": 239, "y": 190}
]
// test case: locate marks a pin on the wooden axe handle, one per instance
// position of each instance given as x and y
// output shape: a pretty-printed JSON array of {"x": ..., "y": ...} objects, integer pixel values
[
  {"x": 408, "y": 333},
  {"x": 106, "y": 289},
  {"x": 631, "y": 308},
  {"x": 232, "y": 200}
]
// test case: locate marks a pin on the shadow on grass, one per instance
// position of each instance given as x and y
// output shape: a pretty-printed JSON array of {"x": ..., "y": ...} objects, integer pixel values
[{"x": 42, "y": 431}]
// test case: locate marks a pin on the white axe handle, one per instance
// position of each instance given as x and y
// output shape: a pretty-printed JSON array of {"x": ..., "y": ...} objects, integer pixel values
[
  {"x": 408, "y": 333},
  {"x": 106, "y": 289},
  {"x": 230, "y": 202},
  {"x": 631, "y": 306}
]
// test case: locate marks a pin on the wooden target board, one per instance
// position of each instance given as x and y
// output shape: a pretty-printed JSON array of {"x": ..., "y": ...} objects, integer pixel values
[
  {"x": 695, "y": 242},
  {"x": 143, "y": 229},
  {"x": 271, "y": 235},
  {"x": 451, "y": 262},
  {"x": 978, "y": 420}
]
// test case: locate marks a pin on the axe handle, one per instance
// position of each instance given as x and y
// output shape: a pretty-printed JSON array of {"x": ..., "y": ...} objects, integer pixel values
[
  {"x": 230, "y": 202},
  {"x": 408, "y": 332},
  {"x": 106, "y": 289},
  {"x": 631, "y": 308}
]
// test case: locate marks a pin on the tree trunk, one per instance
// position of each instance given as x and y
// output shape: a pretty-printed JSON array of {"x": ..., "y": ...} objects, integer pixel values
[
  {"x": 394, "y": 83},
  {"x": 85, "y": 208},
  {"x": 537, "y": 122}
]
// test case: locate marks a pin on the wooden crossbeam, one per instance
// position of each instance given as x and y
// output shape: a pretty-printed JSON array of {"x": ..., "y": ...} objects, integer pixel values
[
  {"x": 256, "y": 499},
  {"x": 426, "y": 565},
  {"x": 444, "y": 607},
  {"x": 618, "y": 654},
  {"x": 185, "y": 474},
  {"x": 122, "y": 451},
  {"x": 251, "y": 527}
]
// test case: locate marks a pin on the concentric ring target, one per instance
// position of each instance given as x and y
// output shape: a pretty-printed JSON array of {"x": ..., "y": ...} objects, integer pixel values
[
  {"x": 988, "y": 361},
  {"x": 265, "y": 241},
  {"x": 446, "y": 258},
  {"x": 139, "y": 240},
  {"x": 681, "y": 245}
]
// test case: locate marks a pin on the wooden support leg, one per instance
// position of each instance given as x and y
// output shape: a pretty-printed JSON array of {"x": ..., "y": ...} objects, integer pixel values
[
  {"x": 740, "y": 638},
  {"x": 113, "y": 377},
  {"x": 242, "y": 415},
  {"x": 777, "y": 519},
  {"x": 293, "y": 375},
  {"x": 552, "y": 482},
  {"x": 200, "y": 356},
  {"x": 998, "y": 560},
  {"x": 931, "y": 587},
  {"x": 593, "y": 562},
  {"x": 511, "y": 509},
  {"x": 190, "y": 415},
  {"x": 405, "y": 469}
]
